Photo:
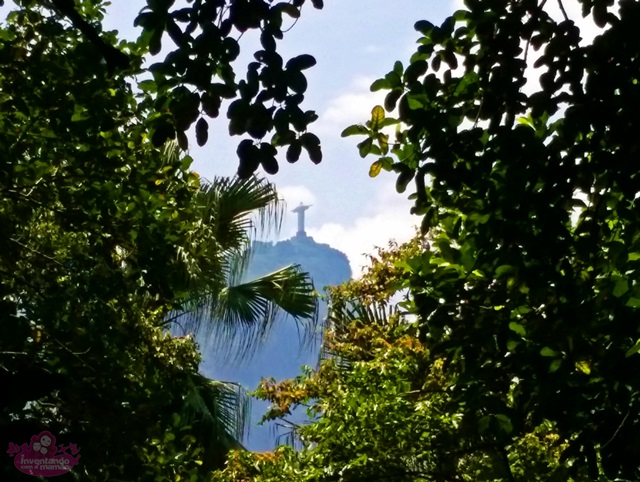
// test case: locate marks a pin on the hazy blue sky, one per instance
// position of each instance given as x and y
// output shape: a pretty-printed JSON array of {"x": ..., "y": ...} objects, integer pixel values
[{"x": 354, "y": 42}]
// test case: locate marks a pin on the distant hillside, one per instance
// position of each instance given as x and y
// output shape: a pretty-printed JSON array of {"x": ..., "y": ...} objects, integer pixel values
[
  {"x": 281, "y": 356},
  {"x": 327, "y": 265}
]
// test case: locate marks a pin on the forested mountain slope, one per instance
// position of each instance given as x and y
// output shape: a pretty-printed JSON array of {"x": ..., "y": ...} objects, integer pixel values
[{"x": 283, "y": 353}]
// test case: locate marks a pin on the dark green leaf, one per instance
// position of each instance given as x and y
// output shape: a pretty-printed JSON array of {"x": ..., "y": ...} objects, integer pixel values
[
  {"x": 391, "y": 99},
  {"x": 267, "y": 40},
  {"x": 289, "y": 9},
  {"x": 301, "y": 62},
  {"x": 294, "y": 151},
  {"x": 312, "y": 144},
  {"x": 380, "y": 84},
  {"x": 518, "y": 328},
  {"x": 354, "y": 130},
  {"x": 183, "y": 141},
  {"x": 202, "y": 131}
]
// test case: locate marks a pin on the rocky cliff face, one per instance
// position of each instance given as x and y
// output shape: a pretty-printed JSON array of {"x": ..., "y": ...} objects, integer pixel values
[{"x": 283, "y": 354}]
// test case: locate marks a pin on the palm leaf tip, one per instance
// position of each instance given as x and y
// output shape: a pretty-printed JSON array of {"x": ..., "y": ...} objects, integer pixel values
[
  {"x": 238, "y": 208},
  {"x": 220, "y": 410},
  {"x": 239, "y": 319},
  {"x": 249, "y": 310}
]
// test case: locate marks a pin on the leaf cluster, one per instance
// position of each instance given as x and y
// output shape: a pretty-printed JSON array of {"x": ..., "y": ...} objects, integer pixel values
[
  {"x": 529, "y": 191},
  {"x": 191, "y": 84},
  {"x": 382, "y": 406},
  {"x": 106, "y": 241}
]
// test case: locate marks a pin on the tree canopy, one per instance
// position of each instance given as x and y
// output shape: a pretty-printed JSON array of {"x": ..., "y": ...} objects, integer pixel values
[
  {"x": 525, "y": 293},
  {"x": 189, "y": 85},
  {"x": 533, "y": 188},
  {"x": 514, "y": 355},
  {"x": 107, "y": 239},
  {"x": 382, "y": 407}
]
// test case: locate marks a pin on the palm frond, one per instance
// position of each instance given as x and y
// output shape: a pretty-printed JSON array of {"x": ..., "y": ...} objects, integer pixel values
[
  {"x": 218, "y": 412},
  {"x": 238, "y": 315},
  {"x": 171, "y": 152},
  {"x": 237, "y": 209},
  {"x": 341, "y": 315},
  {"x": 235, "y": 264},
  {"x": 239, "y": 318}
]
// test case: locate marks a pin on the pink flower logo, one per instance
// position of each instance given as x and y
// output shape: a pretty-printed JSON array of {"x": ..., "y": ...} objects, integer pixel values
[{"x": 41, "y": 457}]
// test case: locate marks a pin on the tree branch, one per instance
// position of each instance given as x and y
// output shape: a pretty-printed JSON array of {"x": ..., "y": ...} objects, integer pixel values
[
  {"x": 115, "y": 59},
  {"x": 35, "y": 251},
  {"x": 618, "y": 429},
  {"x": 564, "y": 12}
]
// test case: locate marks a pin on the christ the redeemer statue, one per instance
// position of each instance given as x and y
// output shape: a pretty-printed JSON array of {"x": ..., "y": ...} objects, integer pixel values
[{"x": 300, "y": 211}]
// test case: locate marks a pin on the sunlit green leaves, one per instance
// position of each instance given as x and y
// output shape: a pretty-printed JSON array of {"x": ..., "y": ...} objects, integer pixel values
[
  {"x": 518, "y": 328},
  {"x": 633, "y": 350},
  {"x": 548, "y": 352},
  {"x": 383, "y": 394},
  {"x": 375, "y": 169},
  {"x": 377, "y": 116},
  {"x": 538, "y": 176},
  {"x": 583, "y": 366}
]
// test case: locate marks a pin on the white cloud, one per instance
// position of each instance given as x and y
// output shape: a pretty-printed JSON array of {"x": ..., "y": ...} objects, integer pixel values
[
  {"x": 294, "y": 195},
  {"x": 351, "y": 107},
  {"x": 386, "y": 215},
  {"x": 387, "y": 218},
  {"x": 372, "y": 49},
  {"x": 365, "y": 235}
]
